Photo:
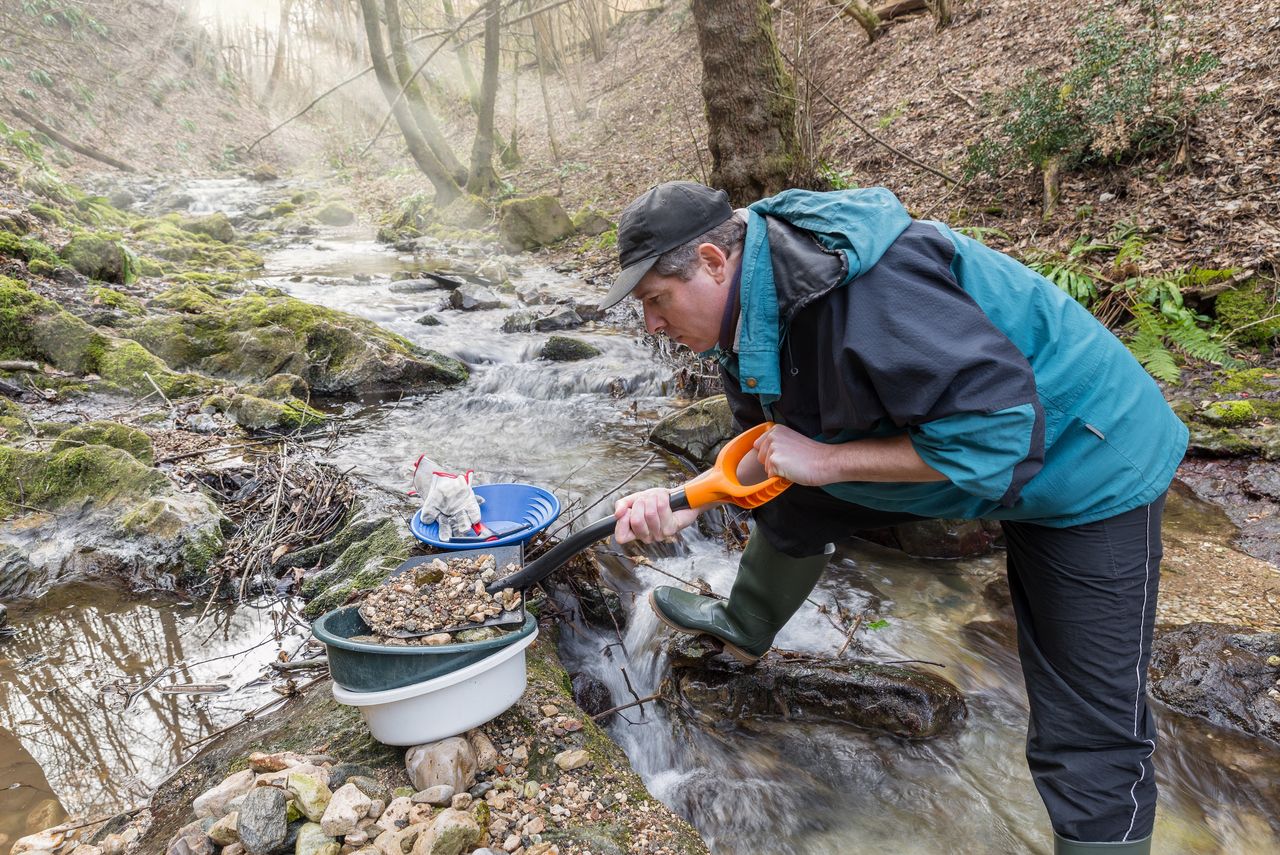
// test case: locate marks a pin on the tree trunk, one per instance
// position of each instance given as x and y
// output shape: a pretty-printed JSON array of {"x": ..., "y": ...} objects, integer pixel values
[
  {"x": 483, "y": 179},
  {"x": 861, "y": 13},
  {"x": 418, "y": 108},
  {"x": 941, "y": 10},
  {"x": 447, "y": 188},
  {"x": 749, "y": 98},
  {"x": 464, "y": 57},
  {"x": 282, "y": 48},
  {"x": 509, "y": 152}
]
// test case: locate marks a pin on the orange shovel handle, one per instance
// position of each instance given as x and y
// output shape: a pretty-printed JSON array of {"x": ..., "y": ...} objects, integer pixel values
[{"x": 720, "y": 483}]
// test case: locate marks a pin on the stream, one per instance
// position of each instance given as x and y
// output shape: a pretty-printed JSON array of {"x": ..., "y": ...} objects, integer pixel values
[{"x": 73, "y": 743}]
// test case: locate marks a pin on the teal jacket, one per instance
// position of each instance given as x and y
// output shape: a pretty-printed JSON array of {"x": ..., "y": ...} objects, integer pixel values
[{"x": 857, "y": 321}]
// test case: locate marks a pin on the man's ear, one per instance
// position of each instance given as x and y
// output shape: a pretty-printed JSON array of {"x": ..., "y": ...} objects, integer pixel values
[{"x": 715, "y": 260}]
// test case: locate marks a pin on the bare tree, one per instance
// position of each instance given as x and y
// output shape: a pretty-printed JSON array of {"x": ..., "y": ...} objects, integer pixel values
[
  {"x": 282, "y": 50},
  {"x": 749, "y": 97},
  {"x": 445, "y": 184}
]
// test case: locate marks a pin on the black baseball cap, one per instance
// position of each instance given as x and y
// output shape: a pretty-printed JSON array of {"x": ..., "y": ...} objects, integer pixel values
[{"x": 660, "y": 220}]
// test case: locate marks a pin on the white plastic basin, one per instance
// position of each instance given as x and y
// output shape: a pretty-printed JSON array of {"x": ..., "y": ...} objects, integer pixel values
[{"x": 444, "y": 706}]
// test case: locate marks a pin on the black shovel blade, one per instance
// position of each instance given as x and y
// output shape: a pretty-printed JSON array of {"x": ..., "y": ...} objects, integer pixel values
[{"x": 502, "y": 555}]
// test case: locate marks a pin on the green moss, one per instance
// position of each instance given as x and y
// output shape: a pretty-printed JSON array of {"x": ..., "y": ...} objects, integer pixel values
[
  {"x": 185, "y": 251},
  {"x": 52, "y": 479},
  {"x": 115, "y": 300},
  {"x": 113, "y": 434},
  {"x": 97, "y": 211},
  {"x": 1253, "y": 381},
  {"x": 361, "y": 567},
  {"x": 127, "y": 364},
  {"x": 283, "y": 208},
  {"x": 215, "y": 225},
  {"x": 1229, "y": 413},
  {"x": 1249, "y": 314},
  {"x": 32, "y": 327},
  {"x": 256, "y": 413},
  {"x": 48, "y": 214},
  {"x": 18, "y": 305},
  {"x": 27, "y": 249},
  {"x": 336, "y": 214},
  {"x": 280, "y": 387}
]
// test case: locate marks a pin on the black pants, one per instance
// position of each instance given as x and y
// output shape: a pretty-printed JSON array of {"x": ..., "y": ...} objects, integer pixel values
[{"x": 1085, "y": 602}]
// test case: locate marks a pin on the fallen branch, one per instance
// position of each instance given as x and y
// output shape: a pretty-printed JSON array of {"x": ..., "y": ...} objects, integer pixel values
[
  {"x": 627, "y": 706},
  {"x": 87, "y": 150},
  {"x": 19, "y": 365}
]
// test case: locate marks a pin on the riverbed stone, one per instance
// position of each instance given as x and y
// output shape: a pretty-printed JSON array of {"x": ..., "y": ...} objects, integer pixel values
[
  {"x": 347, "y": 806},
  {"x": 937, "y": 538},
  {"x": 698, "y": 431},
  {"x": 561, "y": 348},
  {"x": 310, "y": 794},
  {"x": 561, "y": 318},
  {"x": 314, "y": 840},
  {"x": 225, "y": 831},
  {"x": 423, "y": 284},
  {"x": 591, "y": 222},
  {"x": 101, "y": 257},
  {"x": 473, "y": 298},
  {"x": 262, "y": 823},
  {"x": 396, "y": 815},
  {"x": 486, "y": 752},
  {"x": 451, "y": 832},
  {"x": 397, "y": 841},
  {"x": 532, "y": 222},
  {"x": 361, "y": 777},
  {"x": 573, "y": 758},
  {"x": 1220, "y": 673},
  {"x": 336, "y": 214},
  {"x": 214, "y": 802},
  {"x": 215, "y": 225},
  {"x": 902, "y": 701},
  {"x": 449, "y": 761}
]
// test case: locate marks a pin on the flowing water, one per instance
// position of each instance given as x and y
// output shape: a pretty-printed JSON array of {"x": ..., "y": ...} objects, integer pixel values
[{"x": 579, "y": 428}]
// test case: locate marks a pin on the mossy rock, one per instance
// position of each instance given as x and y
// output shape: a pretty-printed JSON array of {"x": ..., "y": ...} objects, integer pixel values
[
  {"x": 27, "y": 249},
  {"x": 532, "y": 222},
  {"x": 362, "y": 566},
  {"x": 282, "y": 209},
  {"x": 182, "y": 251},
  {"x": 114, "y": 434},
  {"x": 15, "y": 222},
  {"x": 215, "y": 225},
  {"x": 127, "y": 365},
  {"x": 254, "y": 413},
  {"x": 281, "y": 387},
  {"x": 1250, "y": 315},
  {"x": 1253, "y": 381},
  {"x": 48, "y": 213},
  {"x": 561, "y": 348},
  {"x": 191, "y": 299},
  {"x": 1230, "y": 413},
  {"x": 32, "y": 327},
  {"x": 466, "y": 212},
  {"x": 336, "y": 214},
  {"x": 697, "y": 432},
  {"x": 591, "y": 222},
  {"x": 101, "y": 257},
  {"x": 113, "y": 299},
  {"x": 54, "y": 478}
]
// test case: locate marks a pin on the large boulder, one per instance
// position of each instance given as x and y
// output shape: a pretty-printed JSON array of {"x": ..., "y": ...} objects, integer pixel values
[
  {"x": 903, "y": 701},
  {"x": 1225, "y": 674},
  {"x": 101, "y": 257},
  {"x": 215, "y": 225},
  {"x": 532, "y": 222},
  {"x": 560, "y": 348},
  {"x": 946, "y": 538},
  {"x": 336, "y": 214},
  {"x": 473, "y": 298},
  {"x": 259, "y": 335},
  {"x": 697, "y": 432}
]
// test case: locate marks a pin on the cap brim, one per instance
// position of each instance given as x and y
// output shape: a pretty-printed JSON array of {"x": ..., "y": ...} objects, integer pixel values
[{"x": 627, "y": 281}]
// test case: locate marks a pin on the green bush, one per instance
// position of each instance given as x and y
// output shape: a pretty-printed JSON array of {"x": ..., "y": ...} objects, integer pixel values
[{"x": 1127, "y": 92}]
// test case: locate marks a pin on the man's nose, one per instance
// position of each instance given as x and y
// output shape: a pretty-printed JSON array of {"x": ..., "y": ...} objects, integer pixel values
[{"x": 653, "y": 322}]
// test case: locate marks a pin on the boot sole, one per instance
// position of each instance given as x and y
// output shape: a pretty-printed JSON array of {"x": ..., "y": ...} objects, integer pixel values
[{"x": 735, "y": 651}]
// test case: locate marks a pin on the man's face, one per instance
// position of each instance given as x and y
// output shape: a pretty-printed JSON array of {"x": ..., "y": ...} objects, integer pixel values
[{"x": 689, "y": 312}]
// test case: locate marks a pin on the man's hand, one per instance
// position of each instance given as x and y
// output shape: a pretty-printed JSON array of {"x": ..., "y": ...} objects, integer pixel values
[
  {"x": 787, "y": 454},
  {"x": 647, "y": 517}
]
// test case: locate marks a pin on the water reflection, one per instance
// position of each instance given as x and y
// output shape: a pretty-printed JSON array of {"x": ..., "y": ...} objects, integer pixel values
[{"x": 79, "y": 694}]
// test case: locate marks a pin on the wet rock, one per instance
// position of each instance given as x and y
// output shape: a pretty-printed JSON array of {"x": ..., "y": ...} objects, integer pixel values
[
  {"x": 525, "y": 224},
  {"x": 519, "y": 322},
  {"x": 591, "y": 694},
  {"x": 452, "y": 832},
  {"x": 253, "y": 413},
  {"x": 697, "y": 432},
  {"x": 344, "y": 811},
  {"x": 902, "y": 701},
  {"x": 121, "y": 199},
  {"x": 280, "y": 387},
  {"x": 471, "y": 298},
  {"x": 336, "y": 214},
  {"x": 946, "y": 538},
  {"x": 214, "y": 802},
  {"x": 439, "y": 795},
  {"x": 561, "y": 348},
  {"x": 263, "y": 824},
  {"x": 450, "y": 761},
  {"x": 423, "y": 285},
  {"x": 562, "y": 318},
  {"x": 264, "y": 173},
  {"x": 313, "y": 840},
  {"x": 428, "y": 321},
  {"x": 1220, "y": 673}
]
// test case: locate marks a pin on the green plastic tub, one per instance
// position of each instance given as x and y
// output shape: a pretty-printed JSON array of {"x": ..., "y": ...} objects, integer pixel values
[{"x": 362, "y": 667}]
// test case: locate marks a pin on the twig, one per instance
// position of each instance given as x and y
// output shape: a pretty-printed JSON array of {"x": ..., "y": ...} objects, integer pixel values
[
  {"x": 899, "y": 152},
  {"x": 158, "y": 389},
  {"x": 627, "y": 706},
  {"x": 848, "y": 638},
  {"x": 912, "y": 662}
]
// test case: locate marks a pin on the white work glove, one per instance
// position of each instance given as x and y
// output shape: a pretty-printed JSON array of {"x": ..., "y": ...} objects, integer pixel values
[{"x": 447, "y": 499}]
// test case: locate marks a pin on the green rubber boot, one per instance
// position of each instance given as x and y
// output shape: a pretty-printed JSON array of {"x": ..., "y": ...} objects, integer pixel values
[
  {"x": 769, "y": 589},
  {"x": 1063, "y": 846}
]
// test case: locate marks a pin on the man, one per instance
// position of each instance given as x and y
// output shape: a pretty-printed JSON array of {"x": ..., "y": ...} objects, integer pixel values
[{"x": 913, "y": 373}]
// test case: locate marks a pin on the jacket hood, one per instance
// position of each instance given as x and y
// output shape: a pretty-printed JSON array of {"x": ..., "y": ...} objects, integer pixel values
[{"x": 856, "y": 227}]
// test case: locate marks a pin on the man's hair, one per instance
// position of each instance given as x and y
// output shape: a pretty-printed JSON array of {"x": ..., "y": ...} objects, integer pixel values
[{"x": 683, "y": 260}]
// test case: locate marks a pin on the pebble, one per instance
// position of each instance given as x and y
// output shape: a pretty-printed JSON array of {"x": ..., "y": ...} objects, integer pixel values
[
  {"x": 461, "y": 801},
  {"x": 439, "y": 795},
  {"x": 347, "y": 806},
  {"x": 396, "y": 815},
  {"x": 480, "y": 789},
  {"x": 214, "y": 802},
  {"x": 450, "y": 761},
  {"x": 223, "y": 832},
  {"x": 573, "y": 758},
  {"x": 341, "y": 773},
  {"x": 312, "y": 840},
  {"x": 311, "y": 795}
]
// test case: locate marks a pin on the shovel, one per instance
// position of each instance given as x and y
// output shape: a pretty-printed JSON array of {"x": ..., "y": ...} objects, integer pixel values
[{"x": 718, "y": 484}]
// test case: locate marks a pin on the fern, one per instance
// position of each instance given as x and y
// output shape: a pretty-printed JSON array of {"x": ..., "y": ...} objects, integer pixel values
[{"x": 1147, "y": 345}]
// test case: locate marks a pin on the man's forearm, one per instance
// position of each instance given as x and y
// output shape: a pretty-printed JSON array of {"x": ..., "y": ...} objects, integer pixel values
[{"x": 889, "y": 459}]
